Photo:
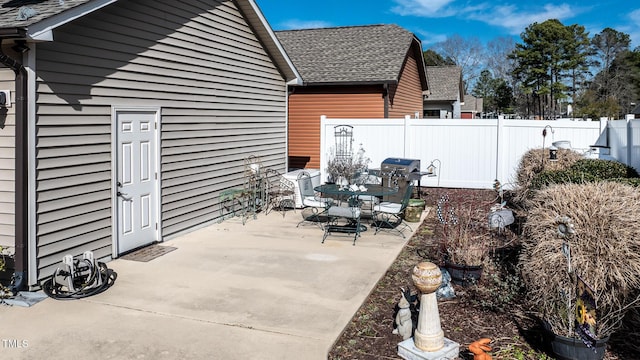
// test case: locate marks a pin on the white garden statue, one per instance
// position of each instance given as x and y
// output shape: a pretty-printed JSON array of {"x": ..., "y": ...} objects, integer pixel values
[{"x": 404, "y": 324}]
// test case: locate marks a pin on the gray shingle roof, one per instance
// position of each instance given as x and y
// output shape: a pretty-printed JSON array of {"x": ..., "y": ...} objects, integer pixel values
[
  {"x": 445, "y": 83},
  {"x": 12, "y": 12},
  {"x": 472, "y": 103},
  {"x": 356, "y": 54},
  {"x": 26, "y": 14}
]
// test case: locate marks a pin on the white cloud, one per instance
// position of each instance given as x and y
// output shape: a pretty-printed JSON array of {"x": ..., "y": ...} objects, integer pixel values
[
  {"x": 424, "y": 8},
  {"x": 515, "y": 20},
  {"x": 511, "y": 17},
  {"x": 632, "y": 28},
  {"x": 295, "y": 24},
  {"x": 428, "y": 38}
]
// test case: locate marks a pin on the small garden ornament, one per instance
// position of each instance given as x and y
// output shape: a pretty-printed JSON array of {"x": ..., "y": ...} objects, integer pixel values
[
  {"x": 404, "y": 324},
  {"x": 479, "y": 347}
]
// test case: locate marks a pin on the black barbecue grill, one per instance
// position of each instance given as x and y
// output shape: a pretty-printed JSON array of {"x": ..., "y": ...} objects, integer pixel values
[{"x": 399, "y": 172}]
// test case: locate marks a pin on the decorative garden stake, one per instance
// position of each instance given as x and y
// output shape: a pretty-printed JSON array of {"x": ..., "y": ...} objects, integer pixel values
[
  {"x": 429, "y": 341},
  {"x": 544, "y": 135},
  {"x": 565, "y": 226}
]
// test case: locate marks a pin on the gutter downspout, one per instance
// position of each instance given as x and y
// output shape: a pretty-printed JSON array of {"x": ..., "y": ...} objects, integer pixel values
[
  {"x": 385, "y": 96},
  {"x": 21, "y": 173}
]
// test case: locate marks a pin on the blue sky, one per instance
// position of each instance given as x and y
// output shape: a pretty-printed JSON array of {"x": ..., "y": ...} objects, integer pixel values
[{"x": 435, "y": 20}]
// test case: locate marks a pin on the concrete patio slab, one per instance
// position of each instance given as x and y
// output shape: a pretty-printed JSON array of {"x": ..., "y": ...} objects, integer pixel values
[{"x": 263, "y": 290}]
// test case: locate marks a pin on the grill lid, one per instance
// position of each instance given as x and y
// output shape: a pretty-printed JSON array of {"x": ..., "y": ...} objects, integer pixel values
[
  {"x": 400, "y": 165},
  {"x": 401, "y": 162}
]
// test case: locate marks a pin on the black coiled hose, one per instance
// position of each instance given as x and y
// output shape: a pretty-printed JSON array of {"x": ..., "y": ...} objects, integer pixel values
[{"x": 58, "y": 292}]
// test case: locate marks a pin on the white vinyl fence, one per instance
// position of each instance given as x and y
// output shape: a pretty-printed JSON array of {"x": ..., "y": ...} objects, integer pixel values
[
  {"x": 623, "y": 139},
  {"x": 468, "y": 153}
]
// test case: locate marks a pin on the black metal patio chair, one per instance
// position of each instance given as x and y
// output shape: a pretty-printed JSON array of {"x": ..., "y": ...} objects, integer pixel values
[{"x": 389, "y": 216}]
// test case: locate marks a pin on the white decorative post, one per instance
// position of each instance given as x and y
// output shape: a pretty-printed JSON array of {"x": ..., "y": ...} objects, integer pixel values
[{"x": 429, "y": 341}]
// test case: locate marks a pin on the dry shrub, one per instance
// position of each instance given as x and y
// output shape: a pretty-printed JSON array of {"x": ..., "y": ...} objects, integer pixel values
[
  {"x": 536, "y": 161},
  {"x": 465, "y": 238},
  {"x": 605, "y": 252}
]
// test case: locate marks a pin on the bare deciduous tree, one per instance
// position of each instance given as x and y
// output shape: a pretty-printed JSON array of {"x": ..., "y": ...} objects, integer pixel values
[
  {"x": 498, "y": 61},
  {"x": 468, "y": 54}
]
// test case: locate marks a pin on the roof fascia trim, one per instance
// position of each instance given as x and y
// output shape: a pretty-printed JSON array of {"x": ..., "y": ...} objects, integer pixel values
[
  {"x": 416, "y": 45},
  {"x": 351, "y": 83},
  {"x": 43, "y": 30},
  {"x": 296, "y": 78}
]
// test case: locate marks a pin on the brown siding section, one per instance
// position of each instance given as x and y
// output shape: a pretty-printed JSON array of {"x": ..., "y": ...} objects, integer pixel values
[
  {"x": 306, "y": 105},
  {"x": 408, "y": 96}
]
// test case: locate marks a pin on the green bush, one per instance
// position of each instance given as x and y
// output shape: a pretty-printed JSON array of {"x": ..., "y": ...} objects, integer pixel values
[
  {"x": 585, "y": 171},
  {"x": 604, "y": 169},
  {"x": 568, "y": 176}
]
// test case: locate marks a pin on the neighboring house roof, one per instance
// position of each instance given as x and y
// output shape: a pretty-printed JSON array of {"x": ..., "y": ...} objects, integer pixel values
[
  {"x": 445, "y": 83},
  {"x": 35, "y": 20},
  {"x": 372, "y": 54},
  {"x": 472, "y": 104}
]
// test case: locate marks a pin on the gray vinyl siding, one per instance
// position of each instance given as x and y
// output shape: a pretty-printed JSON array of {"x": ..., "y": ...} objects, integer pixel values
[
  {"x": 7, "y": 163},
  {"x": 221, "y": 100}
]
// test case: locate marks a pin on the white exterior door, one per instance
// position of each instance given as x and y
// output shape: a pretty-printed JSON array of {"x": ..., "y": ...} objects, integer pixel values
[{"x": 136, "y": 179}]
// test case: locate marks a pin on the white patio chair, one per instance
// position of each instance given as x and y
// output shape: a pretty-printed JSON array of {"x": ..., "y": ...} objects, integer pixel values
[
  {"x": 389, "y": 216},
  {"x": 315, "y": 205}
]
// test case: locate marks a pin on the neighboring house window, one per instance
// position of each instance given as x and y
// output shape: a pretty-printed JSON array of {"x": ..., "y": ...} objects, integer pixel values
[{"x": 432, "y": 113}]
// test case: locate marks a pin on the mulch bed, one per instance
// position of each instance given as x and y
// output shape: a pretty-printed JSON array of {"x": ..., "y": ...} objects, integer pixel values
[{"x": 493, "y": 308}]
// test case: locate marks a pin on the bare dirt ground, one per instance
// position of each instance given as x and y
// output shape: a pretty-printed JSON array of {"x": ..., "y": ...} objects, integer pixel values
[{"x": 493, "y": 308}]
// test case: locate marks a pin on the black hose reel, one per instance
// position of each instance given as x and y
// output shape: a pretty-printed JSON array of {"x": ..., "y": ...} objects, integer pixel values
[{"x": 78, "y": 278}]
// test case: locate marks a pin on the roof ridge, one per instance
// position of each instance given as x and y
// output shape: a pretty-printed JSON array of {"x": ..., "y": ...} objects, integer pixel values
[{"x": 341, "y": 27}]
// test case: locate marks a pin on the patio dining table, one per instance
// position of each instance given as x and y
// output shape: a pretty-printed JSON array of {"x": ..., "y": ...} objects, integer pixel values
[{"x": 351, "y": 193}]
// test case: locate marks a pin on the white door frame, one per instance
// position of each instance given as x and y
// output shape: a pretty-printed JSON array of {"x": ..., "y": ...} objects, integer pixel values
[{"x": 114, "y": 171}]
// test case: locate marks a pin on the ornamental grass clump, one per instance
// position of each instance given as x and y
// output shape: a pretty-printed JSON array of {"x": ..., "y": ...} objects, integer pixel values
[
  {"x": 534, "y": 162},
  {"x": 587, "y": 231}
]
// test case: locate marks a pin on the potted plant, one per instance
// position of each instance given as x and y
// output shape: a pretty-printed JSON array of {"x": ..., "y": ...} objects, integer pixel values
[
  {"x": 580, "y": 263},
  {"x": 465, "y": 240},
  {"x": 343, "y": 170}
]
